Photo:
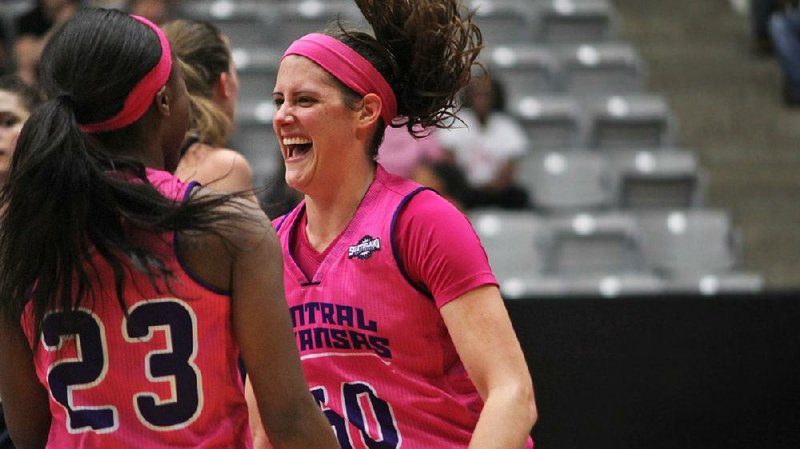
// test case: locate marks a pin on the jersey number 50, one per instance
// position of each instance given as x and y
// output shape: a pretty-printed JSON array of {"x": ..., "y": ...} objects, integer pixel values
[
  {"x": 174, "y": 364},
  {"x": 368, "y": 413}
]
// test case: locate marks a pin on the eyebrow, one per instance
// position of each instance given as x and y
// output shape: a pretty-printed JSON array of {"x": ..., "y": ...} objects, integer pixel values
[{"x": 298, "y": 93}]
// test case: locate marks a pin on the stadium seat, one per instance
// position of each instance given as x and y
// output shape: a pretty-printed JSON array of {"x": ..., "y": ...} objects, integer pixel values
[
  {"x": 504, "y": 22},
  {"x": 566, "y": 181},
  {"x": 292, "y": 20},
  {"x": 523, "y": 69},
  {"x": 550, "y": 121},
  {"x": 243, "y": 22},
  {"x": 666, "y": 178},
  {"x": 575, "y": 21},
  {"x": 603, "y": 285},
  {"x": 600, "y": 69},
  {"x": 695, "y": 251},
  {"x": 629, "y": 121},
  {"x": 257, "y": 69},
  {"x": 515, "y": 241},
  {"x": 594, "y": 244},
  {"x": 688, "y": 242}
]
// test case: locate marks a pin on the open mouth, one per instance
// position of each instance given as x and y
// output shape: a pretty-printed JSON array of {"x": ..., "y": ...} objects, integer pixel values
[{"x": 296, "y": 146}]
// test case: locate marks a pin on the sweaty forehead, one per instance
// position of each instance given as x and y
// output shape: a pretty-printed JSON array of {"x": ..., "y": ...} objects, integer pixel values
[{"x": 300, "y": 72}]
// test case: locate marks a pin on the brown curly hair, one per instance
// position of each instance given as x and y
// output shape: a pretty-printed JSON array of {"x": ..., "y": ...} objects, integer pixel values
[{"x": 425, "y": 49}]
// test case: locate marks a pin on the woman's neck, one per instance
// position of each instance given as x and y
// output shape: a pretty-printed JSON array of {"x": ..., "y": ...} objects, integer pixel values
[{"x": 329, "y": 213}]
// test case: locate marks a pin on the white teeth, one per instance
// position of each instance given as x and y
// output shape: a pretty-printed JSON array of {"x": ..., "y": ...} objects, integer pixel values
[{"x": 295, "y": 141}]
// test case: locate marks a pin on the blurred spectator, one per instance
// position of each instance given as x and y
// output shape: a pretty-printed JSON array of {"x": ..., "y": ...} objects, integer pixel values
[
  {"x": 488, "y": 147},
  {"x": 784, "y": 28},
  {"x": 213, "y": 86},
  {"x": 760, "y": 13},
  {"x": 17, "y": 100},
  {"x": 33, "y": 28},
  {"x": 4, "y": 43},
  {"x": 157, "y": 11},
  {"x": 443, "y": 177},
  {"x": 401, "y": 152}
]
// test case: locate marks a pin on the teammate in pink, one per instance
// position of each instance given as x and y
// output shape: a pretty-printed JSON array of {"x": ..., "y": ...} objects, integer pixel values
[
  {"x": 402, "y": 332},
  {"x": 126, "y": 296}
]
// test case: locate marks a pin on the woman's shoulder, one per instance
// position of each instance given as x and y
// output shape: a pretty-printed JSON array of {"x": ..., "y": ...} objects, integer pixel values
[
  {"x": 235, "y": 159},
  {"x": 428, "y": 206},
  {"x": 212, "y": 165}
]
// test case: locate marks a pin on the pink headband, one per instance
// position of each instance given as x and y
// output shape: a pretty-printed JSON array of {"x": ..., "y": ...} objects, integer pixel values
[
  {"x": 140, "y": 98},
  {"x": 349, "y": 67}
]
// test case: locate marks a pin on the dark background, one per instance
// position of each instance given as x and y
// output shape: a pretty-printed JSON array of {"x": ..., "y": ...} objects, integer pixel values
[{"x": 665, "y": 372}]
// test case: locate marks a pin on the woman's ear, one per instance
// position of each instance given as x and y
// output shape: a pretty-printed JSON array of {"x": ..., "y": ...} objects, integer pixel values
[
  {"x": 222, "y": 88},
  {"x": 163, "y": 101},
  {"x": 371, "y": 109}
]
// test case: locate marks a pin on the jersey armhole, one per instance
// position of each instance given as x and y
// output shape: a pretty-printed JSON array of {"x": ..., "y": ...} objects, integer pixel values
[
  {"x": 179, "y": 255},
  {"x": 396, "y": 249}
]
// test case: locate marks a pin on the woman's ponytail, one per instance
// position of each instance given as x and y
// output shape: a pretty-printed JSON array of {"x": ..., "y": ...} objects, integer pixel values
[
  {"x": 425, "y": 50},
  {"x": 46, "y": 202}
]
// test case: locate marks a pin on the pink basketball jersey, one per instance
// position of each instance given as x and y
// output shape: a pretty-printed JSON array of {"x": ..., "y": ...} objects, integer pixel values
[
  {"x": 374, "y": 348},
  {"x": 165, "y": 376}
]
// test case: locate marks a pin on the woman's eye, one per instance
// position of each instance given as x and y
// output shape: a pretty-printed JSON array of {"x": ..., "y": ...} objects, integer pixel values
[{"x": 8, "y": 120}]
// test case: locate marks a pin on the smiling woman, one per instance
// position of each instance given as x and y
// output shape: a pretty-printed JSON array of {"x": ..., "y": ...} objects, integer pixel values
[{"x": 433, "y": 361}]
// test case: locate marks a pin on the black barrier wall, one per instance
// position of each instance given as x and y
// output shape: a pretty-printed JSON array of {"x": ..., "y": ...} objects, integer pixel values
[{"x": 666, "y": 372}]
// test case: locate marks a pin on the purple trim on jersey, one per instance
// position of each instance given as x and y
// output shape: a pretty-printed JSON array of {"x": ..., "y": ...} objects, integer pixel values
[
  {"x": 189, "y": 188},
  {"x": 281, "y": 222},
  {"x": 395, "y": 247},
  {"x": 178, "y": 255}
]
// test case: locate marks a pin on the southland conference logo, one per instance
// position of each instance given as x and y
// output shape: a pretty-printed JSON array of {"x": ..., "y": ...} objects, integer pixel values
[{"x": 365, "y": 247}]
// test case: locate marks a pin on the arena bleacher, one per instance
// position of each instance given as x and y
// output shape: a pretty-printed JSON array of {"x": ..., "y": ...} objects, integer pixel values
[{"x": 602, "y": 146}]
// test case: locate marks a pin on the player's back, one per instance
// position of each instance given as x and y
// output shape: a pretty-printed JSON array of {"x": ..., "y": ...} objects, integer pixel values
[{"x": 163, "y": 374}]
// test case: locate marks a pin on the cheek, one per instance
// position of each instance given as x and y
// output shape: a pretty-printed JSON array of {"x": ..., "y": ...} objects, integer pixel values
[{"x": 9, "y": 137}]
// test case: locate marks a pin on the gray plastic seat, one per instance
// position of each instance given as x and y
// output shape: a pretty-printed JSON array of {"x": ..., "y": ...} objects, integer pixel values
[
  {"x": 695, "y": 251},
  {"x": 574, "y": 21},
  {"x": 595, "y": 244},
  {"x": 550, "y": 121},
  {"x": 629, "y": 121},
  {"x": 524, "y": 69},
  {"x": 257, "y": 68},
  {"x": 243, "y": 22},
  {"x": 688, "y": 242},
  {"x": 292, "y": 20},
  {"x": 610, "y": 285},
  {"x": 504, "y": 22},
  {"x": 662, "y": 178},
  {"x": 515, "y": 241},
  {"x": 566, "y": 181},
  {"x": 600, "y": 69}
]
